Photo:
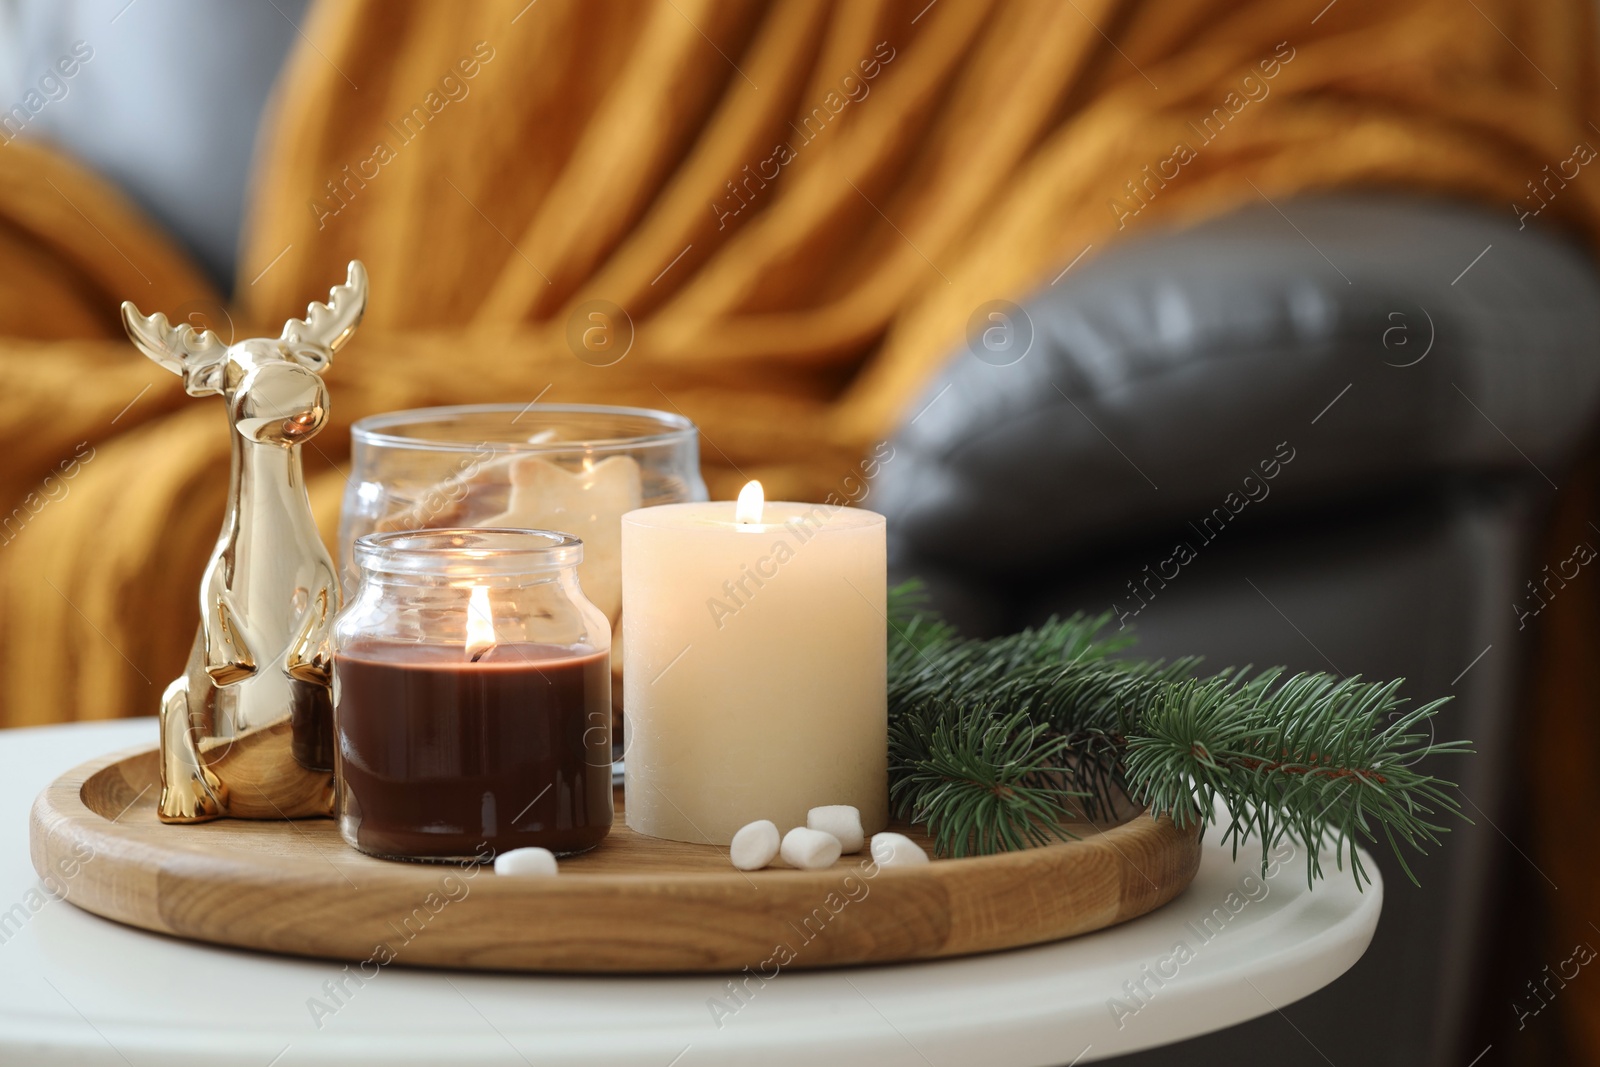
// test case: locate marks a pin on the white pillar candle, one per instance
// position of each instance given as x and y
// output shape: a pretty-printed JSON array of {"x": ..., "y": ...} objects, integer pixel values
[{"x": 756, "y": 676}]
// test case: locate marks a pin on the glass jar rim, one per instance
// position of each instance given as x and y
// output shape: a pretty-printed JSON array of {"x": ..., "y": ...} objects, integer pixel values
[
  {"x": 384, "y": 429},
  {"x": 467, "y": 551}
]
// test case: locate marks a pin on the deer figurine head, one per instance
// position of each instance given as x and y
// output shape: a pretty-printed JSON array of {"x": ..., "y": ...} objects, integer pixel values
[
  {"x": 247, "y": 729},
  {"x": 273, "y": 385}
]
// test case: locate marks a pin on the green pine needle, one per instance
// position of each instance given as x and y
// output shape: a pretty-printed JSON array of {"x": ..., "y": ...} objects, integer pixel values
[
  {"x": 994, "y": 743},
  {"x": 986, "y": 778}
]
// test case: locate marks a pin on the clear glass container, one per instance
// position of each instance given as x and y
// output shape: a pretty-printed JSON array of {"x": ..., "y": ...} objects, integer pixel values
[
  {"x": 569, "y": 467},
  {"x": 471, "y": 697}
]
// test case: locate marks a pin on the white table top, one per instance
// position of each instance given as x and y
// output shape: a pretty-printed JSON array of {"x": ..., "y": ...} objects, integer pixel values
[{"x": 81, "y": 989}]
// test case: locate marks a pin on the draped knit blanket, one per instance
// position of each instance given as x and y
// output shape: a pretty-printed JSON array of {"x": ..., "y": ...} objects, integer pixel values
[{"x": 798, "y": 204}]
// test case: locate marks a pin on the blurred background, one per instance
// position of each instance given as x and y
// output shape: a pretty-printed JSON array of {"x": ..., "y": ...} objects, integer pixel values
[{"x": 1268, "y": 326}]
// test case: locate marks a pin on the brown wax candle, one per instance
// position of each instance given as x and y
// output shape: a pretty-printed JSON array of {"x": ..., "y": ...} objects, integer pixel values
[{"x": 442, "y": 757}]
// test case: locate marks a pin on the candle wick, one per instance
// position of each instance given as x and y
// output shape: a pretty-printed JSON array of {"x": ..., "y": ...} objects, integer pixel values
[{"x": 476, "y": 656}]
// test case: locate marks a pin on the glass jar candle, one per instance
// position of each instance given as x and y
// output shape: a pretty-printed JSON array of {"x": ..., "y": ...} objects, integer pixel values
[{"x": 471, "y": 697}]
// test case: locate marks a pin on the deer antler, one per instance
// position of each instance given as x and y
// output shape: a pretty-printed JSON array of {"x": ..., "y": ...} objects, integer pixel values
[
  {"x": 328, "y": 326},
  {"x": 181, "y": 349}
]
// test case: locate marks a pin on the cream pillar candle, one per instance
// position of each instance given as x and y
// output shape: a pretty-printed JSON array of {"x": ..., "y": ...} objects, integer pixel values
[{"x": 756, "y": 676}]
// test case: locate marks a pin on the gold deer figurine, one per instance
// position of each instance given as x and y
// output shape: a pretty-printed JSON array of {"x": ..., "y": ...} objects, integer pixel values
[{"x": 247, "y": 729}]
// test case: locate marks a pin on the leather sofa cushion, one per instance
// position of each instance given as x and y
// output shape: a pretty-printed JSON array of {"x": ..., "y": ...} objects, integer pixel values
[{"x": 1344, "y": 345}]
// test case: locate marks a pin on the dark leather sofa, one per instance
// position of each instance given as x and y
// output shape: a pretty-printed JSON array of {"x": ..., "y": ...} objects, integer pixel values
[{"x": 1327, "y": 434}]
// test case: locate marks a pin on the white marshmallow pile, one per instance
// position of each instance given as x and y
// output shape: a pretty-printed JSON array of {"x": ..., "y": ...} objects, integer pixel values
[
  {"x": 840, "y": 820},
  {"x": 809, "y": 850},
  {"x": 755, "y": 845},
  {"x": 527, "y": 862},
  {"x": 896, "y": 850},
  {"x": 830, "y": 831}
]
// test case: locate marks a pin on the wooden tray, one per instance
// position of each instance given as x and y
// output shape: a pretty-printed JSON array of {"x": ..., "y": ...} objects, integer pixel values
[{"x": 635, "y": 904}]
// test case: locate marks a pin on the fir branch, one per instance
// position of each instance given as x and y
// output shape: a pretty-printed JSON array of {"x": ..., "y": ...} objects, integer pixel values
[
  {"x": 982, "y": 783},
  {"x": 1314, "y": 758},
  {"x": 993, "y": 743},
  {"x": 1092, "y": 705},
  {"x": 927, "y": 660}
]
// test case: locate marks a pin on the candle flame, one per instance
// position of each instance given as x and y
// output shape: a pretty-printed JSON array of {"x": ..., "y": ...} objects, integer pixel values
[
  {"x": 751, "y": 500},
  {"x": 480, "y": 624}
]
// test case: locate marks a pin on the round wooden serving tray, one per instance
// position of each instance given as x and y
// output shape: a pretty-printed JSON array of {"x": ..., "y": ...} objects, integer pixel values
[{"x": 635, "y": 904}]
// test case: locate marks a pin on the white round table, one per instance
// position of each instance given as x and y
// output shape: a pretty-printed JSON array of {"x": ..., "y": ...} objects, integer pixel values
[{"x": 75, "y": 988}]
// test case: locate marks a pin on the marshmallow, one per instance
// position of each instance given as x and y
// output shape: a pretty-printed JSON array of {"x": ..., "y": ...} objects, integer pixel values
[
  {"x": 809, "y": 849},
  {"x": 754, "y": 846},
  {"x": 840, "y": 820},
  {"x": 531, "y": 862},
  {"x": 897, "y": 850}
]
